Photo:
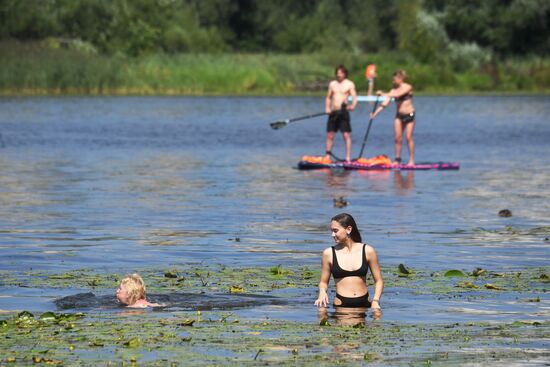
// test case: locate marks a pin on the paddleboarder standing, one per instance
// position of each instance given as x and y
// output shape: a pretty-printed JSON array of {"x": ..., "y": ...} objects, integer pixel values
[
  {"x": 405, "y": 118},
  {"x": 339, "y": 90}
]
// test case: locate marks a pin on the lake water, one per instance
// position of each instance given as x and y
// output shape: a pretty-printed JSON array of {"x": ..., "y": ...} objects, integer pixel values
[{"x": 118, "y": 183}]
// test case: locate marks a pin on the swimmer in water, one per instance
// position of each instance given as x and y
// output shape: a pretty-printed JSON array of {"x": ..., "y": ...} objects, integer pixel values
[
  {"x": 131, "y": 292},
  {"x": 348, "y": 261}
]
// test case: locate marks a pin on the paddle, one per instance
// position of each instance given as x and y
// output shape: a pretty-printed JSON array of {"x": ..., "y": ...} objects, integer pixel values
[
  {"x": 282, "y": 123},
  {"x": 368, "y": 129},
  {"x": 370, "y": 72}
]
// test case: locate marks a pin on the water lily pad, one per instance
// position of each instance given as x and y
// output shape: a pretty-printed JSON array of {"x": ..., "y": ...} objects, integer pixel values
[
  {"x": 478, "y": 272},
  {"x": 69, "y": 316},
  {"x": 402, "y": 270},
  {"x": 493, "y": 287},
  {"x": 236, "y": 289},
  {"x": 133, "y": 343},
  {"x": 25, "y": 315},
  {"x": 372, "y": 357},
  {"x": 170, "y": 274},
  {"x": 48, "y": 316},
  {"x": 187, "y": 322},
  {"x": 454, "y": 273},
  {"x": 93, "y": 282},
  {"x": 307, "y": 274},
  {"x": 467, "y": 285},
  {"x": 277, "y": 270},
  {"x": 63, "y": 276}
]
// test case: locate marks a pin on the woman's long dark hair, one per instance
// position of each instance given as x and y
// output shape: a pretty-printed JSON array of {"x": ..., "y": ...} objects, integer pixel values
[{"x": 347, "y": 220}]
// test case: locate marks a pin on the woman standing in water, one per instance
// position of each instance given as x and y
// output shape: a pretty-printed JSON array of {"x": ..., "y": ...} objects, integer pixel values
[
  {"x": 349, "y": 253},
  {"x": 405, "y": 118}
]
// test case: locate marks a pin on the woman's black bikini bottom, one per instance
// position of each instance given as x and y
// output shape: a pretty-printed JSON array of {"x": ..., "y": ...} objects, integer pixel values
[{"x": 362, "y": 301}]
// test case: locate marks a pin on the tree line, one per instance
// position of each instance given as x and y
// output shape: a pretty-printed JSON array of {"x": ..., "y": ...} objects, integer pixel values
[{"x": 467, "y": 30}]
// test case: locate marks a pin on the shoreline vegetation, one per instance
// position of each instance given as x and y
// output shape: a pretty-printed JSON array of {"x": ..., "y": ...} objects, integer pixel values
[{"x": 67, "y": 67}]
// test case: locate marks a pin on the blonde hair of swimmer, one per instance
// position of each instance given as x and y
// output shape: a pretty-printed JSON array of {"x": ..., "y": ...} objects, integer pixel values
[{"x": 132, "y": 293}]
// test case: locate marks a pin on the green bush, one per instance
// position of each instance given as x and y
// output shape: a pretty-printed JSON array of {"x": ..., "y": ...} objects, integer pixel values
[
  {"x": 48, "y": 67},
  {"x": 464, "y": 56}
]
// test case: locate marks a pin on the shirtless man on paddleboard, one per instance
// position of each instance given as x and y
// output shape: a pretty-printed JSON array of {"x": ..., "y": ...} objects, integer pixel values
[{"x": 336, "y": 107}]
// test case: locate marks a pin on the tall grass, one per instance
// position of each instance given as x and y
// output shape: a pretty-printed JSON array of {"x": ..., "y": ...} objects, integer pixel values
[{"x": 35, "y": 68}]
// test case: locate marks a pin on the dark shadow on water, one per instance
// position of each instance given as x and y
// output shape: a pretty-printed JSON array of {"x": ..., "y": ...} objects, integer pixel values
[{"x": 185, "y": 301}]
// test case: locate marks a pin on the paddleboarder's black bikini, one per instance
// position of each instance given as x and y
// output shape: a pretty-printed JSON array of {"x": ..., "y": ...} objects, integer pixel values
[
  {"x": 404, "y": 97},
  {"x": 339, "y": 273},
  {"x": 406, "y": 117}
]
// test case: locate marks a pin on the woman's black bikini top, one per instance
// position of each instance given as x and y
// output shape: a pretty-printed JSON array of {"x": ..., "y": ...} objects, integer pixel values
[
  {"x": 338, "y": 272},
  {"x": 404, "y": 97}
]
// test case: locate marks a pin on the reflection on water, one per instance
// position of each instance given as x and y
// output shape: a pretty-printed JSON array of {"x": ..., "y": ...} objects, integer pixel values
[
  {"x": 133, "y": 182},
  {"x": 404, "y": 185},
  {"x": 347, "y": 316}
]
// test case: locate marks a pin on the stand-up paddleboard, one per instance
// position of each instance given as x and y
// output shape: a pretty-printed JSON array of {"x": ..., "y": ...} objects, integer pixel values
[
  {"x": 419, "y": 166},
  {"x": 380, "y": 162}
]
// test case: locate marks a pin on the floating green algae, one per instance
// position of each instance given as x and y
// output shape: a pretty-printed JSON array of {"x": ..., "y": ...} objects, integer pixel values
[
  {"x": 220, "y": 338},
  {"x": 224, "y": 279},
  {"x": 160, "y": 339}
]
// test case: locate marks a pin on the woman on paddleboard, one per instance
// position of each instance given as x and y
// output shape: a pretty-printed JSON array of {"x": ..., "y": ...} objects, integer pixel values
[
  {"x": 348, "y": 262},
  {"x": 405, "y": 117}
]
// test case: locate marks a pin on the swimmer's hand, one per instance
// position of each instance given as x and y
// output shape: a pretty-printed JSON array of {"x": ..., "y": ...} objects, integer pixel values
[
  {"x": 322, "y": 301},
  {"x": 145, "y": 304},
  {"x": 375, "y": 305}
]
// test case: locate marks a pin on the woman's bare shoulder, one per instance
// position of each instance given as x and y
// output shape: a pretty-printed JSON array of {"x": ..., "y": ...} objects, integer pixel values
[{"x": 369, "y": 249}]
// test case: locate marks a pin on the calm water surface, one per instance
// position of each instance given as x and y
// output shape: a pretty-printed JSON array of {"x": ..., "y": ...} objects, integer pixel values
[{"x": 120, "y": 183}]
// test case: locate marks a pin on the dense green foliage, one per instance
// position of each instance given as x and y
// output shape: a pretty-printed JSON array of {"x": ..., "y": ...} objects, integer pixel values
[
  {"x": 424, "y": 28},
  {"x": 45, "y": 67},
  {"x": 264, "y": 47}
]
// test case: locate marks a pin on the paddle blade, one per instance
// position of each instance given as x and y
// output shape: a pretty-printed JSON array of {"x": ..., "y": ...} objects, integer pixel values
[
  {"x": 370, "y": 71},
  {"x": 278, "y": 124}
]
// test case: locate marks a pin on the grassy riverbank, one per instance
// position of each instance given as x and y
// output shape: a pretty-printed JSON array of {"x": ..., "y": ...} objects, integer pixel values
[{"x": 44, "y": 68}]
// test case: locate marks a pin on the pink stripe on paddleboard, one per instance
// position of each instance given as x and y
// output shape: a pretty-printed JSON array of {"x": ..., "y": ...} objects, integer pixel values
[{"x": 420, "y": 166}]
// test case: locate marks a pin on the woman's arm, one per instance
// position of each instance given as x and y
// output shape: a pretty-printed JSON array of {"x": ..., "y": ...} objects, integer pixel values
[
  {"x": 401, "y": 91},
  {"x": 374, "y": 266},
  {"x": 322, "y": 300},
  {"x": 384, "y": 103}
]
